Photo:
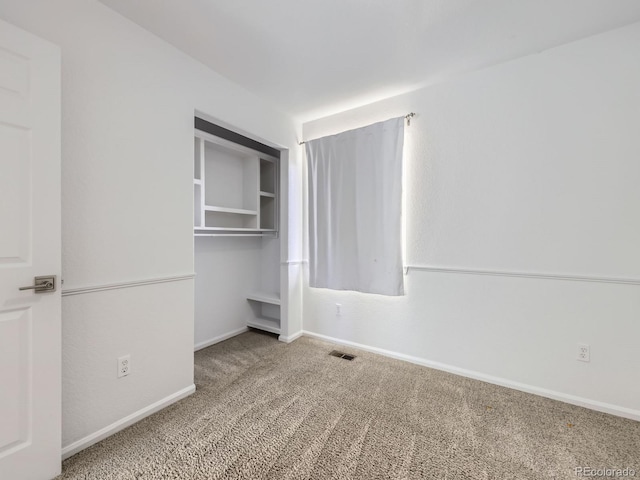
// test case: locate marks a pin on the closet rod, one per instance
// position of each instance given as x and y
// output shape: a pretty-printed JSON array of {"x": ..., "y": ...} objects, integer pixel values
[{"x": 407, "y": 117}]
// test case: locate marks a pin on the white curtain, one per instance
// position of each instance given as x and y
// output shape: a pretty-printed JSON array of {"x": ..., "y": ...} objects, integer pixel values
[{"x": 355, "y": 207}]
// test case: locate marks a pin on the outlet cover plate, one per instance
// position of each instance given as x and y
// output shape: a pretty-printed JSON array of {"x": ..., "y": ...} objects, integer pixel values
[
  {"x": 124, "y": 366},
  {"x": 584, "y": 352}
]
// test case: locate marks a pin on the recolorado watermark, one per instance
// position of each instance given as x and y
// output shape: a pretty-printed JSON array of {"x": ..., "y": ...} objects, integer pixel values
[{"x": 605, "y": 472}]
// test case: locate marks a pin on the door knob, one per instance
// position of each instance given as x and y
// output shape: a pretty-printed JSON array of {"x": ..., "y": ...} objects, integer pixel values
[{"x": 42, "y": 284}]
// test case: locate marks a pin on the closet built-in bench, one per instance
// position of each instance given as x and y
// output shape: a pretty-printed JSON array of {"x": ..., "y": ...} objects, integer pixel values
[{"x": 266, "y": 309}]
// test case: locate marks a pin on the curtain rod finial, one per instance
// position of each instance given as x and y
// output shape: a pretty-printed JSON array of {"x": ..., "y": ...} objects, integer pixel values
[{"x": 408, "y": 117}]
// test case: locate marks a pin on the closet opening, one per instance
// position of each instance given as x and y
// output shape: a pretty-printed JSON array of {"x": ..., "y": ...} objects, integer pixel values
[{"x": 237, "y": 243}]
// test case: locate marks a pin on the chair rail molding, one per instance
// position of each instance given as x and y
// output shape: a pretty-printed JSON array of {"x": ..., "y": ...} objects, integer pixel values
[
  {"x": 128, "y": 284},
  {"x": 523, "y": 274}
]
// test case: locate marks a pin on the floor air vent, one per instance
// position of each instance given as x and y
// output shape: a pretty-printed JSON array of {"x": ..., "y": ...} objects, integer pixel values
[{"x": 346, "y": 356}]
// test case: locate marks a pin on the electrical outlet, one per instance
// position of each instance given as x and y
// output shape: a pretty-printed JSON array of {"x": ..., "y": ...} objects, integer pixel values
[
  {"x": 584, "y": 352},
  {"x": 338, "y": 309},
  {"x": 124, "y": 366}
]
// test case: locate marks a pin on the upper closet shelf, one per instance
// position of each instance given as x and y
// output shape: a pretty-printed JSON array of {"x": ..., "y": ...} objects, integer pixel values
[
  {"x": 240, "y": 211},
  {"x": 235, "y": 188}
]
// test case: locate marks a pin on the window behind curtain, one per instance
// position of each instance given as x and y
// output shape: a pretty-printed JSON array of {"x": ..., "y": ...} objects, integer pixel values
[{"x": 355, "y": 207}]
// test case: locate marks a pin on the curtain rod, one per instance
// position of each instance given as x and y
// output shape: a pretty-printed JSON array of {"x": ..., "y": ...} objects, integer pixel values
[{"x": 407, "y": 117}]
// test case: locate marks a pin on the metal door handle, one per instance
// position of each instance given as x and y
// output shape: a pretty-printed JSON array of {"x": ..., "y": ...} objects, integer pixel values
[{"x": 42, "y": 284}]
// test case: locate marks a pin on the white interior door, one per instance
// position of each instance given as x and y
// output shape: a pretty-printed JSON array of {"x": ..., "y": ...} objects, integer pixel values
[{"x": 30, "y": 413}]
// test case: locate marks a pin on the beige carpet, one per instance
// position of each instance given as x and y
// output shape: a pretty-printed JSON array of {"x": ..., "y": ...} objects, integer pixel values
[{"x": 266, "y": 410}]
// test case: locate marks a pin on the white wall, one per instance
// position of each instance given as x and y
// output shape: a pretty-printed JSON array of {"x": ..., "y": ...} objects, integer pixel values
[
  {"x": 127, "y": 166},
  {"x": 530, "y": 166}
]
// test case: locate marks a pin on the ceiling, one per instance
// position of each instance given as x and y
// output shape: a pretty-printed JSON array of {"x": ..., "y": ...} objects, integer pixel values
[{"x": 312, "y": 58}]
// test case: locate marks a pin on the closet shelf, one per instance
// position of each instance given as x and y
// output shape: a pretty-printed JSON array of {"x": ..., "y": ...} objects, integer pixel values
[
  {"x": 239, "y": 211},
  {"x": 233, "y": 229},
  {"x": 235, "y": 188},
  {"x": 272, "y": 298},
  {"x": 265, "y": 324},
  {"x": 228, "y": 234}
]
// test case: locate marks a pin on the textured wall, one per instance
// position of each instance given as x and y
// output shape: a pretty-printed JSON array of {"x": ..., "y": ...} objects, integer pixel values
[
  {"x": 530, "y": 166},
  {"x": 227, "y": 269},
  {"x": 127, "y": 170}
]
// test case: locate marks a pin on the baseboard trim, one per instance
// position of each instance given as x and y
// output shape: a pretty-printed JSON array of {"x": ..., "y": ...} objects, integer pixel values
[
  {"x": 291, "y": 338},
  {"x": 543, "y": 392},
  {"x": 123, "y": 423},
  {"x": 218, "y": 339}
]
